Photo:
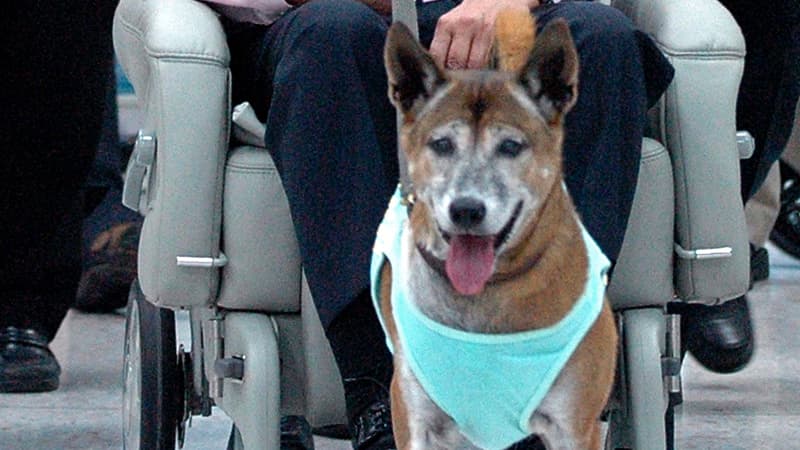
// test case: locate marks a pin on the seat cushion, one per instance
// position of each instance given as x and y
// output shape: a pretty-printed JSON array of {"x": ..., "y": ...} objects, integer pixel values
[
  {"x": 643, "y": 274},
  {"x": 263, "y": 271}
]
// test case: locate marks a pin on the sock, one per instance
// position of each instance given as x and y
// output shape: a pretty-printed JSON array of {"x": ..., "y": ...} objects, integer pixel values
[{"x": 359, "y": 346}]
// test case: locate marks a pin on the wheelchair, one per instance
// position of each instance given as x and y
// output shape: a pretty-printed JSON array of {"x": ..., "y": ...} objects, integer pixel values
[{"x": 221, "y": 315}]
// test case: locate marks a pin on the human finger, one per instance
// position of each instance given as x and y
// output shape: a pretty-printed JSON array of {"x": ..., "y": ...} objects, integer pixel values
[
  {"x": 440, "y": 45},
  {"x": 479, "y": 50},
  {"x": 459, "y": 51}
]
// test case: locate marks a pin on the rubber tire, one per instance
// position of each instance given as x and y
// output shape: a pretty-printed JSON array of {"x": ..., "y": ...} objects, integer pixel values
[
  {"x": 149, "y": 421},
  {"x": 669, "y": 426}
]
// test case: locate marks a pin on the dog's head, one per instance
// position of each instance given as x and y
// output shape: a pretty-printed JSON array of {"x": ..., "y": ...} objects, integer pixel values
[{"x": 483, "y": 147}]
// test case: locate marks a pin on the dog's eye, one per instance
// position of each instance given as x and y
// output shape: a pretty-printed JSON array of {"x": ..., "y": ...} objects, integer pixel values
[
  {"x": 442, "y": 146},
  {"x": 510, "y": 148}
]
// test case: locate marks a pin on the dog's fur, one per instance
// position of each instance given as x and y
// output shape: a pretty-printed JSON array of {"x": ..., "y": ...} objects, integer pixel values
[{"x": 540, "y": 264}]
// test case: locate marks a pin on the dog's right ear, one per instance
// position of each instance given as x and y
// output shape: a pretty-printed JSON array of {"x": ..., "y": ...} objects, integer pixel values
[{"x": 413, "y": 74}]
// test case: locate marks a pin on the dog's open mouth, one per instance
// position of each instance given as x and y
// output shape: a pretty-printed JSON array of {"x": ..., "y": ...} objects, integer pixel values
[{"x": 470, "y": 261}]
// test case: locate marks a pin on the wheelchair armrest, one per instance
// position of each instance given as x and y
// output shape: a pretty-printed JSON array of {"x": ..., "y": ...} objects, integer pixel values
[
  {"x": 701, "y": 28},
  {"x": 696, "y": 120},
  {"x": 178, "y": 30},
  {"x": 176, "y": 56}
]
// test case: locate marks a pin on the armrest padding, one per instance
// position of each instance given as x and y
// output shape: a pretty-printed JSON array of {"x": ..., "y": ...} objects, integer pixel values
[{"x": 176, "y": 57}]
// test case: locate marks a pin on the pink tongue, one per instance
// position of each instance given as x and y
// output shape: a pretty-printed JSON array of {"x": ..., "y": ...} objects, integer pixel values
[{"x": 470, "y": 262}]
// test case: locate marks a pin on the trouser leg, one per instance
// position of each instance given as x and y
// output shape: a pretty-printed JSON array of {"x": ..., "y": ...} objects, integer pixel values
[
  {"x": 762, "y": 209},
  {"x": 621, "y": 73},
  {"x": 56, "y": 60},
  {"x": 331, "y": 129},
  {"x": 770, "y": 84}
]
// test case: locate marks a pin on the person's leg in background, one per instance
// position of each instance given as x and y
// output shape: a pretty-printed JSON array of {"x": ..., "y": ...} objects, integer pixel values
[
  {"x": 761, "y": 212},
  {"x": 57, "y": 57},
  {"x": 110, "y": 230},
  {"x": 791, "y": 155},
  {"x": 786, "y": 233},
  {"x": 721, "y": 337}
]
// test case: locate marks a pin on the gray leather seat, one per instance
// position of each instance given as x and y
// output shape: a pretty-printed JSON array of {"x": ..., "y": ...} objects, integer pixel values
[{"x": 218, "y": 240}]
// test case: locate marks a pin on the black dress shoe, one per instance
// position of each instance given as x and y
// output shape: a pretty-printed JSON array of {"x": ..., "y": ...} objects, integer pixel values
[
  {"x": 372, "y": 428},
  {"x": 529, "y": 443},
  {"x": 296, "y": 433},
  {"x": 719, "y": 337},
  {"x": 26, "y": 362},
  {"x": 786, "y": 232}
]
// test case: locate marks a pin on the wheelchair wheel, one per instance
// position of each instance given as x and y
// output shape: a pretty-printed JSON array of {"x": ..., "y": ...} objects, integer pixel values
[{"x": 151, "y": 386}]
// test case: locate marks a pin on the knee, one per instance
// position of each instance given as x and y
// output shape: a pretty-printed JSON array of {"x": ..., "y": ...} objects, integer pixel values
[
  {"x": 326, "y": 36},
  {"x": 598, "y": 28},
  {"x": 340, "y": 22}
]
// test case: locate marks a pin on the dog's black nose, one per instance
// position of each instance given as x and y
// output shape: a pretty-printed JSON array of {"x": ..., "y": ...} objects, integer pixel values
[{"x": 467, "y": 212}]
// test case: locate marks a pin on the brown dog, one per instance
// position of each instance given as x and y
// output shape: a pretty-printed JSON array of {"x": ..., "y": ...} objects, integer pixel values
[{"x": 491, "y": 259}]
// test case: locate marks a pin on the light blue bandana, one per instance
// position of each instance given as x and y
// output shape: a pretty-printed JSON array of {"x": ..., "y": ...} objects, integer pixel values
[{"x": 490, "y": 384}]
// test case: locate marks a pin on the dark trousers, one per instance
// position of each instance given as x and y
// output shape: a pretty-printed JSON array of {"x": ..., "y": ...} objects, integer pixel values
[
  {"x": 56, "y": 62},
  {"x": 770, "y": 83},
  {"x": 317, "y": 77}
]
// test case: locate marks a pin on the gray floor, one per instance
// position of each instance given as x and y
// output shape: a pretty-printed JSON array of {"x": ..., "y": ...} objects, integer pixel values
[{"x": 757, "y": 408}]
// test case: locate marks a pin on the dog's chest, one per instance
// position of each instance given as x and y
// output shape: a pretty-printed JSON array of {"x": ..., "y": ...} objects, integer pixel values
[{"x": 490, "y": 384}]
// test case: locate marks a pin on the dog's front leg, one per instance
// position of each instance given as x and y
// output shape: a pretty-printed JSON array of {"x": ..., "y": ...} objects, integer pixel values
[
  {"x": 561, "y": 435},
  {"x": 418, "y": 422},
  {"x": 562, "y": 420}
]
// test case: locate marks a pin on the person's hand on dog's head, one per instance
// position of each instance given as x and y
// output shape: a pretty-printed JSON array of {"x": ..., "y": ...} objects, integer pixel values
[{"x": 463, "y": 36}]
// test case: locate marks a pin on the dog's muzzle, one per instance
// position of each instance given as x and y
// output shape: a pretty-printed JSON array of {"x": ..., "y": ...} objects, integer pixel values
[{"x": 471, "y": 257}]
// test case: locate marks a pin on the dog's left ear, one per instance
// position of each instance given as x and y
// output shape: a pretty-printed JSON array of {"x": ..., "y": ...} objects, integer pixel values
[
  {"x": 413, "y": 74},
  {"x": 551, "y": 74}
]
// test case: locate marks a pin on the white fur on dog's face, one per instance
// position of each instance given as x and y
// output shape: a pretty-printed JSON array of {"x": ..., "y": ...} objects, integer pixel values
[{"x": 493, "y": 163}]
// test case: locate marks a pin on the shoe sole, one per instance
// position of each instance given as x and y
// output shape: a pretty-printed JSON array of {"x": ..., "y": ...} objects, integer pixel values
[
  {"x": 718, "y": 359},
  {"x": 19, "y": 378},
  {"x": 29, "y": 385}
]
